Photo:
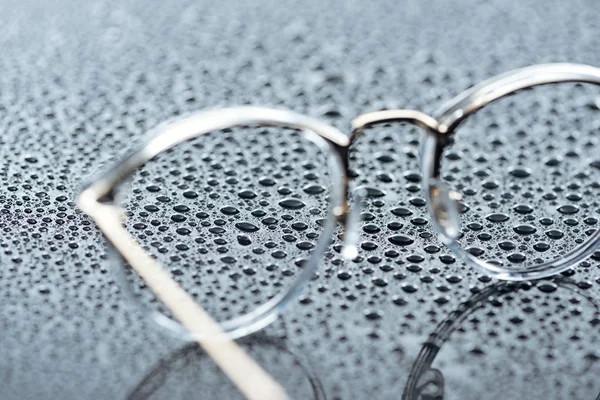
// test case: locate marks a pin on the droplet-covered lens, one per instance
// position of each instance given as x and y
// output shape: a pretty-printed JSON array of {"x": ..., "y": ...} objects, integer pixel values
[
  {"x": 233, "y": 216},
  {"x": 528, "y": 169}
]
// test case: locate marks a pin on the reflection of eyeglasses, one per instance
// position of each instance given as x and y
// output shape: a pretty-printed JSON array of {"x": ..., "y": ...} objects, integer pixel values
[
  {"x": 426, "y": 382},
  {"x": 246, "y": 260},
  {"x": 188, "y": 371}
]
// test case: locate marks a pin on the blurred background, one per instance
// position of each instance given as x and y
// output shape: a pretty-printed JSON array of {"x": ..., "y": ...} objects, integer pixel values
[{"x": 80, "y": 84}]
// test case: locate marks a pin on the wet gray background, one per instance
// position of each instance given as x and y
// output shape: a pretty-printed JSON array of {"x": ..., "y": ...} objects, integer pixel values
[{"x": 81, "y": 81}]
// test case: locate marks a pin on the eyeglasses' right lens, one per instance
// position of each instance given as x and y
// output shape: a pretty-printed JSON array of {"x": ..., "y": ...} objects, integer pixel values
[
  {"x": 233, "y": 216},
  {"x": 528, "y": 169}
]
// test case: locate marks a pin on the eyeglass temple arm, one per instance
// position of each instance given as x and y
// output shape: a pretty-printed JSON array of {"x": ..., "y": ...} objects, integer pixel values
[{"x": 249, "y": 377}]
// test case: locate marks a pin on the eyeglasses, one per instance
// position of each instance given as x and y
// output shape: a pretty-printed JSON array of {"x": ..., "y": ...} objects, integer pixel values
[{"x": 204, "y": 198}]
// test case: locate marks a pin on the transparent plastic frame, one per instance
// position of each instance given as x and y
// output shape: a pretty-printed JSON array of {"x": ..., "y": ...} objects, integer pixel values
[
  {"x": 98, "y": 198},
  {"x": 442, "y": 201}
]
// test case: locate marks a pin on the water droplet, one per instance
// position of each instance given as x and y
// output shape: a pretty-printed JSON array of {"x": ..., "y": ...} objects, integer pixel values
[
  {"x": 524, "y": 229},
  {"x": 520, "y": 172},
  {"x": 246, "y": 226},
  {"x": 401, "y": 212},
  {"x": 314, "y": 189},
  {"x": 247, "y": 194},
  {"x": 372, "y": 191},
  {"x": 291, "y": 204},
  {"x": 229, "y": 210},
  {"x": 568, "y": 209},
  {"x": 401, "y": 240},
  {"x": 498, "y": 217},
  {"x": 554, "y": 234}
]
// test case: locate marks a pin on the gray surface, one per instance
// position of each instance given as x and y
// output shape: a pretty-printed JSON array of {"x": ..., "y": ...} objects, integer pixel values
[{"x": 82, "y": 81}]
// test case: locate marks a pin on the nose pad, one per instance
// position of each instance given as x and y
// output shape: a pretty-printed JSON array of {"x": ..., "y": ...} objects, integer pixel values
[
  {"x": 443, "y": 203},
  {"x": 431, "y": 385},
  {"x": 352, "y": 223}
]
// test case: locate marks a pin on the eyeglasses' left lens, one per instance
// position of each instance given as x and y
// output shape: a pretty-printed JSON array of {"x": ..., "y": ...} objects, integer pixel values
[
  {"x": 528, "y": 169},
  {"x": 233, "y": 216}
]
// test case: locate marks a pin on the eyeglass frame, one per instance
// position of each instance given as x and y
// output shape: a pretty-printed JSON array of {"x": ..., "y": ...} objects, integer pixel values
[
  {"x": 97, "y": 199},
  {"x": 442, "y": 202}
]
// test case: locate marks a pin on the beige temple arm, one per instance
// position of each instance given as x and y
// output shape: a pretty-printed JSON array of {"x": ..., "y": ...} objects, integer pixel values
[{"x": 249, "y": 377}]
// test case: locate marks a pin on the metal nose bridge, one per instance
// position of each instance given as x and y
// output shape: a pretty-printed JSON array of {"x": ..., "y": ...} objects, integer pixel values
[{"x": 380, "y": 117}]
